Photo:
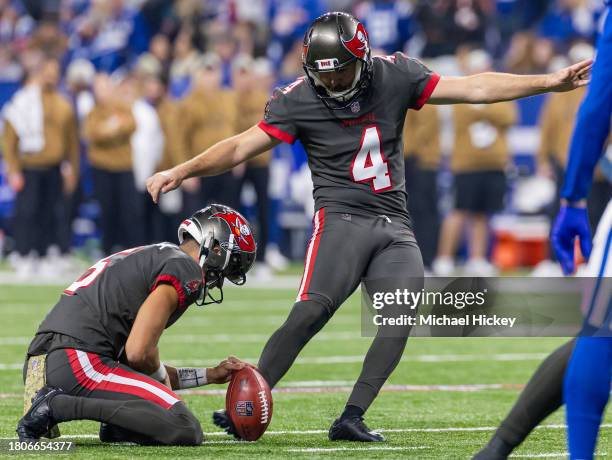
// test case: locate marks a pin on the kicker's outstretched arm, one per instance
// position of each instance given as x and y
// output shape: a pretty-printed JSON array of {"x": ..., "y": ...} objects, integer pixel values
[
  {"x": 490, "y": 87},
  {"x": 219, "y": 158}
]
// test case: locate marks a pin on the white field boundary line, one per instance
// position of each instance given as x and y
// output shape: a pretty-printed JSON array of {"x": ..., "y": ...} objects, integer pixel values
[
  {"x": 386, "y": 388},
  {"x": 354, "y": 449},
  {"x": 443, "y": 358},
  {"x": 9, "y": 277},
  {"x": 207, "y": 338},
  {"x": 257, "y": 338},
  {"x": 337, "y": 386},
  {"x": 563, "y": 455},
  {"x": 343, "y": 386},
  {"x": 391, "y": 430},
  {"x": 507, "y": 285}
]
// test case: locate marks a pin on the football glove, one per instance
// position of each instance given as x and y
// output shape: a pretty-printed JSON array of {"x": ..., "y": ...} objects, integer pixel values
[{"x": 571, "y": 222}]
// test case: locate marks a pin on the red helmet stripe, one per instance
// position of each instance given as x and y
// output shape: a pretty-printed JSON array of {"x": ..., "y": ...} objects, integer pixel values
[{"x": 304, "y": 51}]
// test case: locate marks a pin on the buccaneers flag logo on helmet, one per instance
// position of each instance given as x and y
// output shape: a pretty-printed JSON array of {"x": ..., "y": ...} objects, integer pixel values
[
  {"x": 240, "y": 229},
  {"x": 358, "y": 45}
]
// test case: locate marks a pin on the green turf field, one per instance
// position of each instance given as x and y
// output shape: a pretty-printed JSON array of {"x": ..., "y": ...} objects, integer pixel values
[{"x": 432, "y": 408}]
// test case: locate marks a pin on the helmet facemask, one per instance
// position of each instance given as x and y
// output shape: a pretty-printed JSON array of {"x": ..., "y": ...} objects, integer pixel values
[
  {"x": 344, "y": 95},
  {"x": 210, "y": 260}
]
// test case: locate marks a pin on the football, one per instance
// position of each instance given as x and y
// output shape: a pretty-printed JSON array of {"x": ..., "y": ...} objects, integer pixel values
[{"x": 249, "y": 403}]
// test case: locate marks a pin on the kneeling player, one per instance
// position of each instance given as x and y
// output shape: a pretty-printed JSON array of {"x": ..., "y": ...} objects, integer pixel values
[{"x": 95, "y": 355}]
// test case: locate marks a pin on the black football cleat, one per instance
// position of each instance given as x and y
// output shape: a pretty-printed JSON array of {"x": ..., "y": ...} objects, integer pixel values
[
  {"x": 497, "y": 449},
  {"x": 39, "y": 419},
  {"x": 114, "y": 433},
  {"x": 223, "y": 421},
  {"x": 353, "y": 429}
]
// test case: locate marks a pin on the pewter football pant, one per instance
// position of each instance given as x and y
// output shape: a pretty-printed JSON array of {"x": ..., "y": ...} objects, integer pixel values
[
  {"x": 101, "y": 389},
  {"x": 345, "y": 250}
]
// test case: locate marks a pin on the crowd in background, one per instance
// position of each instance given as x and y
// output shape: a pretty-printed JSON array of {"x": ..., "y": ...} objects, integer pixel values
[{"x": 100, "y": 94}]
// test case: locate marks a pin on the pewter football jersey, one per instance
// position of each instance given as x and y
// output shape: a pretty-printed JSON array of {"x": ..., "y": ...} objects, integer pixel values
[
  {"x": 355, "y": 155},
  {"x": 97, "y": 311}
]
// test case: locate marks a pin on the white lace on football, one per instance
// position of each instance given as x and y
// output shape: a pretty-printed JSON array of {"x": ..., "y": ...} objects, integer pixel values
[{"x": 265, "y": 408}]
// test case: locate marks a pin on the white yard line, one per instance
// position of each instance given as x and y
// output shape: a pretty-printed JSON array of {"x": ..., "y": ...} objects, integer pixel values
[
  {"x": 345, "y": 389},
  {"x": 563, "y": 455},
  {"x": 354, "y": 449},
  {"x": 547, "y": 455},
  {"x": 215, "y": 338},
  {"x": 391, "y": 430},
  {"x": 61, "y": 281},
  {"x": 341, "y": 386},
  {"x": 438, "y": 358},
  {"x": 433, "y": 358}
]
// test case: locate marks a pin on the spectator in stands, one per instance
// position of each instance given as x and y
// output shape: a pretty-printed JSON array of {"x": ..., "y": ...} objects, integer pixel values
[
  {"x": 479, "y": 159},
  {"x": 184, "y": 63},
  {"x": 106, "y": 35},
  {"x": 10, "y": 70},
  {"x": 208, "y": 116},
  {"x": 161, "y": 49},
  {"x": 49, "y": 39},
  {"x": 389, "y": 23},
  {"x": 289, "y": 20},
  {"x": 251, "y": 98},
  {"x": 168, "y": 214},
  {"x": 422, "y": 162},
  {"x": 14, "y": 28},
  {"x": 42, "y": 155},
  {"x": 568, "y": 20},
  {"x": 78, "y": 83},
  {"x": 512, "y": 18},
  {"x": 556, "y": 125},
  {"x": 446, "y": 24},
  {"x": 529, "y": 54},
  {"x": 148, "y": 139},
  {"x": 108, "y": 129},
  {"x": 291, "y": 67}
]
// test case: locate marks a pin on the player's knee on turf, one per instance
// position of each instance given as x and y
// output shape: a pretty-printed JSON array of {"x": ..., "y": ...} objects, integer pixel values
[{"x": 186, "y": 431}]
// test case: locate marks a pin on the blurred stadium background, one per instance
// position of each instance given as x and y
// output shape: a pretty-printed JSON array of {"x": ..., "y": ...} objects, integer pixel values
[{"x": 135, "y": 86}]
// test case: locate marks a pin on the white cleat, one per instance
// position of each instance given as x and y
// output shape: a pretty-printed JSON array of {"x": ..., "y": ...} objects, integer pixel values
[
  {"x": 443, "y": 266},
  {"x": 480, "y": 268}
]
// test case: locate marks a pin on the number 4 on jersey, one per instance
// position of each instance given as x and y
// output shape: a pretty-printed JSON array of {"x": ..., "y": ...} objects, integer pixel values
[{"x": 370, "y": 165}]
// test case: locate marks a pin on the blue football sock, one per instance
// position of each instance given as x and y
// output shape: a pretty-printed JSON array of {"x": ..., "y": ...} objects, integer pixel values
[{"x": 586, "y": 392}]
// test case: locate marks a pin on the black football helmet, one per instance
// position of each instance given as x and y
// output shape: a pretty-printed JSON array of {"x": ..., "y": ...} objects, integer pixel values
[
  {"x": 333, "y": 41},
  {"x": 227, "y": 246}
]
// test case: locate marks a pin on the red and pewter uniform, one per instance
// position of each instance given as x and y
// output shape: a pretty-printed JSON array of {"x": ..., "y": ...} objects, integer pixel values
[
  {"x": 362, "y": 230},
  {"x": 84, "y": 334},
  {"x": 97, "y": 311},
  {"x": 356, "y": 154}
]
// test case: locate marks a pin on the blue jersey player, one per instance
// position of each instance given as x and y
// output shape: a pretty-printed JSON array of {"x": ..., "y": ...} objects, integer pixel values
[
  {"x": 578, "y": 372},
  {"x": 586, "y": 386}
]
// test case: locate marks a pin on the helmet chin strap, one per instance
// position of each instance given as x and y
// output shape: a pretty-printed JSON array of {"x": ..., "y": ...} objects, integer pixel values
[
  {"x": 347, "y": 93},
  {"x": 207, "y": 294}
]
